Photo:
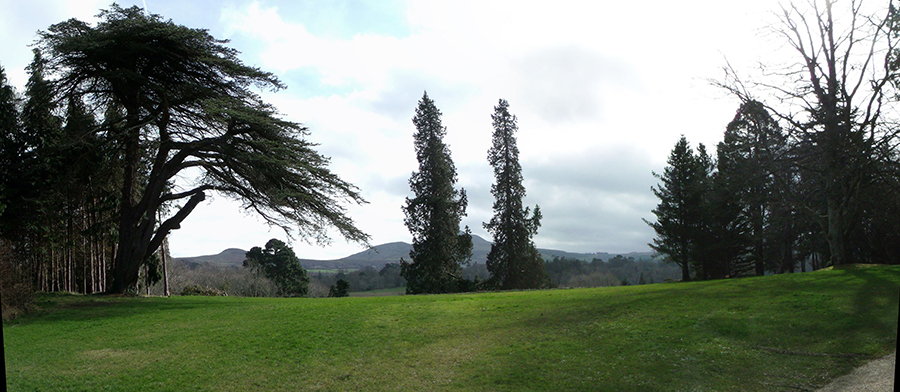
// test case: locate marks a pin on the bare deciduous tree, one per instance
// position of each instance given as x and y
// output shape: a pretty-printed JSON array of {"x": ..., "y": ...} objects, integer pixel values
[{"x": 836, "y": 97}]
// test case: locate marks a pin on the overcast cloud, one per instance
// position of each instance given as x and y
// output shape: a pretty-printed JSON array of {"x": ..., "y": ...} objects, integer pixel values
[{"x": 602, "y": 91}]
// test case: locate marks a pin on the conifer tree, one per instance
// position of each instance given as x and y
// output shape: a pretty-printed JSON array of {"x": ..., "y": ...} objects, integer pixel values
[
  {"x": 40, "y": 124},
  {"x": 278, "y": 262},
  {"x": 748, "y": 153},
  {"x": 513, "y": 261},
  {"x": 705, "y": 231},
  {"x": 434, "y": 213},
  {"x": 9, "y": 127},
  {"x": 679, "y": 217}
]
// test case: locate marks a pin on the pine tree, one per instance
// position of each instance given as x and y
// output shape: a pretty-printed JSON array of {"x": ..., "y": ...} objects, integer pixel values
[
  {"x": 513, "y": 261},
  {"x": 747, "y": 155},
  {"x": 678, "y": 215},
  {"x": 434, "y": 213},
  {"x": 38, "y": 182},
  {"x": 39, "y": 123},
  {"x": 705, "y": 232},
  {"x": 279, "y": 263},
  {"x": 9, "y": 127}
]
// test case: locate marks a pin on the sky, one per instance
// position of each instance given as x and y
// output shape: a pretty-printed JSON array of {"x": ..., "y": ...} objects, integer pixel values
[{"x": 602, "y": 91}]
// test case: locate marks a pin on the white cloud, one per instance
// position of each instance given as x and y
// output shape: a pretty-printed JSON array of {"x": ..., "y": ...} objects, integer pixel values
[
  {"x": 602, "y": 91},
  {"x": 584, "y": 79}
]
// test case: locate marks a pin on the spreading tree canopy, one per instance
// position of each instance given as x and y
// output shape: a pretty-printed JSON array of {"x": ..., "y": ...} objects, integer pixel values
[
  {"x": 434, "y": 213},
  {"x": 513, "y": 261},
  {"x": 175, "y": 98}
]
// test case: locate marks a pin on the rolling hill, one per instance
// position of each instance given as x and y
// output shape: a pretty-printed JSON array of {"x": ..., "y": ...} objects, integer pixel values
[{"x": 380, "y": 255}]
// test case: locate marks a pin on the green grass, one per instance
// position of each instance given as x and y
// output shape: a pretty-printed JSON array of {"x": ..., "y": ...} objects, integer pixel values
[
  {"x": 380, "y": 292},
  {"x": 787, "y": 332}
]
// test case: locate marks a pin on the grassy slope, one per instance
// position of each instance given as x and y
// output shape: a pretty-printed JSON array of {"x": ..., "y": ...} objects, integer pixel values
[{"x": 789, "y": 332}]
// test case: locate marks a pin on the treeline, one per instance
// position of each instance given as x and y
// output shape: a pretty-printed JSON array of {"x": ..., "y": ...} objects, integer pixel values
[
  {"x": 811, "y": 173},
  {"x": 58, "y": 198},
  {"x": 761, "y": 205},
  {"x": 618, "y": 271},
  {"x": 365, "y": 279},
  {"x": 561, "y": 271}
]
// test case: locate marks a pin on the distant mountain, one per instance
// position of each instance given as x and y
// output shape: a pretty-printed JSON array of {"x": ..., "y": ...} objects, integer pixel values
[
  {"x": 228, "y": 257},
  {"x": 380, "y": 255},
  {"x": 383, "y": 254}
]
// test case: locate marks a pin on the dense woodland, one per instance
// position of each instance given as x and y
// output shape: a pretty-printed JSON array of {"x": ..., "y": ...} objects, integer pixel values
[
  {"x": 813, "y": 175},
  {"x": 807, "y": 173}
]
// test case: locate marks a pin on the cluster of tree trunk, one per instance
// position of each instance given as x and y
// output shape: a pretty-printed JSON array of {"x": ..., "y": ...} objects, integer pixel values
[{"x": 59, "y": 220}]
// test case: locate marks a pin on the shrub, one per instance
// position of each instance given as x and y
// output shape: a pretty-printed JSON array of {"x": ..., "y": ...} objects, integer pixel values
[
  {"x": 341, "y": 288},
  {"x": 16, "y": 291},
  {"x": 196, "y": 289}
]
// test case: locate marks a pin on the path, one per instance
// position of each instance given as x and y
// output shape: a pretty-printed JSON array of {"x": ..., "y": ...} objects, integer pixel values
[{"x": 875, "y": 376}]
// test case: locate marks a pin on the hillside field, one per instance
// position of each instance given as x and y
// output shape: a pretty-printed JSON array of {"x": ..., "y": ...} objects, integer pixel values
[{"x": 787, "y": 332}]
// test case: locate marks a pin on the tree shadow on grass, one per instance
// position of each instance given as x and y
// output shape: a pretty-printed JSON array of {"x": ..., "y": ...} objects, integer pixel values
[
  {"x": 837, "y": 319},
  {"x": 52, "y": 308}
]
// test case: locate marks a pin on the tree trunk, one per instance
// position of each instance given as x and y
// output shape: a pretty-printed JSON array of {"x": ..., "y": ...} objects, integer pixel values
[
  {"x": 164, "y": 258},
  {"x": 835, "y": 232},
  {"x": 685, "y": 271},
  {"x": 128, "y": 260},
  {"x": 758, "y": 248}
]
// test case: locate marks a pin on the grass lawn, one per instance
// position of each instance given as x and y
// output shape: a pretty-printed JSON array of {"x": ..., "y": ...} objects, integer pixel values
[
  {"x": 786, "y": 332},
  {"x": 379, "y": 293}
]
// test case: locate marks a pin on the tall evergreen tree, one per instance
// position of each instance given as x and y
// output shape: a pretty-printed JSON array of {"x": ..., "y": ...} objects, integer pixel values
[
  {"x": 434, "y": 213},
  {"x": 513, "y": 261},
  {"x": 39, "y": 122},
  {"x": 706, "y": 236},
  {"x": 752, "y": 145},
  {"x": 731, "y": 230},
  {"x": 182, "y": 100},
  {"x": 9, "y": 128},
  {"x": 679, "y": 216}
]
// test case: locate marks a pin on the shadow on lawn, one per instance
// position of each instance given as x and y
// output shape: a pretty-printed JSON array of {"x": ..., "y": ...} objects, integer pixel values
[
  {"x": 54, "y": 307},
  {"x": 884, "y": 294},
  {"x": 837, "y": 319}
]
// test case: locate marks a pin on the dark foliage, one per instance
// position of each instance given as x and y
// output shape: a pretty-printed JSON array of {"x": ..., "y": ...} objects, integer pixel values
[
  {"x": 180, "y": 99},
  {"x": 679, "y": 215},
  {"x": 203, "y": 291},
  {"x": 278, "y": 263},
  {"x": 514, "y": 262},
  {"x": 836, "y": 105},
  {"x": 568, "y": 272},
  {"x": 434, "y": 213},
  {"x": 341, "y": 288}
]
